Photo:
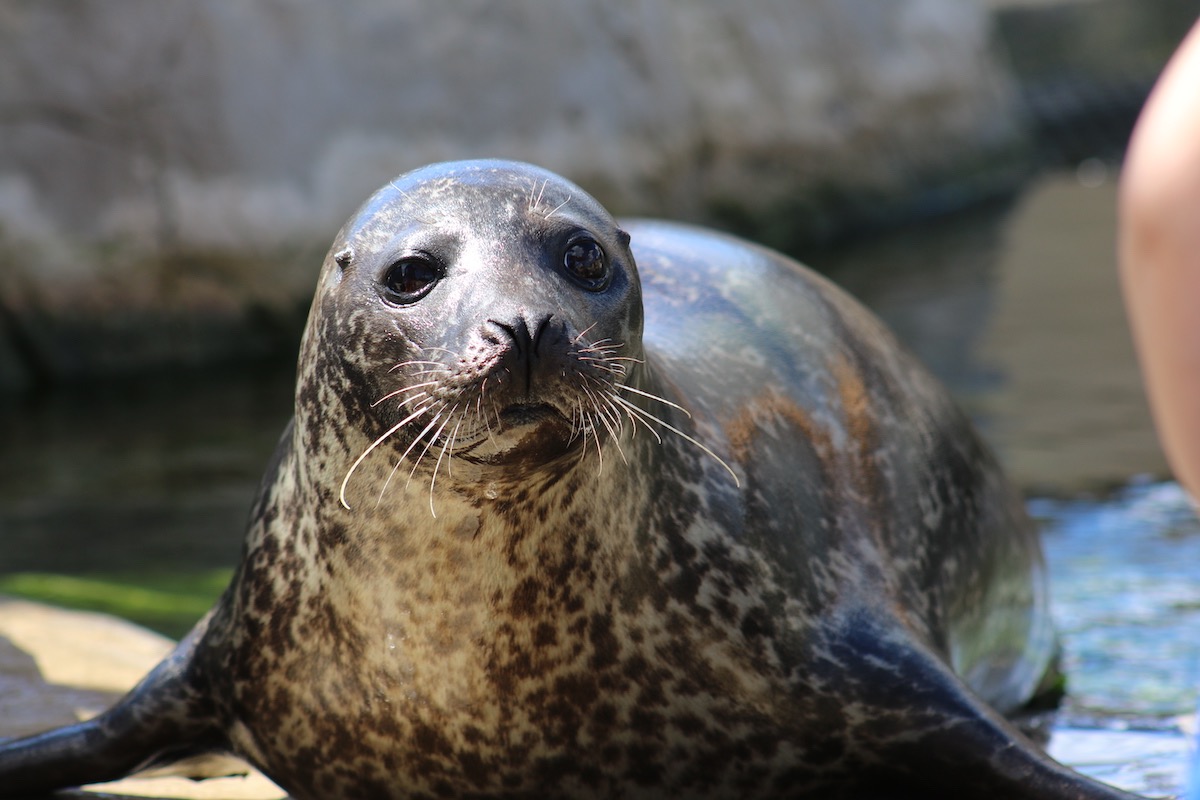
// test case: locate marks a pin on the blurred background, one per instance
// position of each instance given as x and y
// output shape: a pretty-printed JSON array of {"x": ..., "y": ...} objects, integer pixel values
[{"x": 172, "y": 174}]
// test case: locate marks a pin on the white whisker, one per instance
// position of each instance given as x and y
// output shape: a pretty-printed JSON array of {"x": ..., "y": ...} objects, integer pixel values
[
  {"x": 404, "y": 364},
  {"x": 401, "y": 391},
  {"x": 639, "y": 421},
  {"x": 558, "y": 208},
  {"x": 612, "y": 426},
  {"x": 647, "y": 415},
  {"x": 445, "y": 445},
  {"x": 436, "y": 416},
  {"x": 428, "y": 444},
  {"x": 654, "y": 397},
  {"x": 584, "y": 332},
  {"x": 371, "y": 448}
]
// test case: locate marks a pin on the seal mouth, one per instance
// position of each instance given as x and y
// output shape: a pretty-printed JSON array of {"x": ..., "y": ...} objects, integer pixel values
[{"x": 520, "y": 414}]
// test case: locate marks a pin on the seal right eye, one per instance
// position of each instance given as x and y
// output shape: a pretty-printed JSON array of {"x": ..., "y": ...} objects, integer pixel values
[
  {"x": 585, "y": 262},
  {"x": 410, "y": 279}
]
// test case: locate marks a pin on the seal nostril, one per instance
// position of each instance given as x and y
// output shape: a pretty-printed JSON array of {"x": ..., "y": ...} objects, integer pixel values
[
  {"x": 527, "y": 336},
  {"x": 539, "y": 331},
  {"x": 518, "y": 332}
]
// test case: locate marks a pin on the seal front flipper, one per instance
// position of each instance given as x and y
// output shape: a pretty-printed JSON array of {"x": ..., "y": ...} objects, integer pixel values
[
  {"x": 930, "y": 734},
  {"x": 162, "y": 720}
]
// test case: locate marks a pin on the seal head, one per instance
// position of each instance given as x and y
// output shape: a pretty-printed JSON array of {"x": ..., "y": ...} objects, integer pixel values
[{"x": 474, "y": 312}]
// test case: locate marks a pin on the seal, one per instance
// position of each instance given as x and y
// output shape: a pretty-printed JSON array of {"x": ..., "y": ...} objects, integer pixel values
[{"x": 571, "y": 509}]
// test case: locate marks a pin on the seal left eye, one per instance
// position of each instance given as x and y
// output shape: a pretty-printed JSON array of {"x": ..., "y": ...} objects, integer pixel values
[
  {"x": 410, "y": 279},
  {"x": 585, "y": 262}
]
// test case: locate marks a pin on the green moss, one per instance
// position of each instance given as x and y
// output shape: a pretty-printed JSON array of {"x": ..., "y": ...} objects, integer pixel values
[{"x": 166, "y": 602}]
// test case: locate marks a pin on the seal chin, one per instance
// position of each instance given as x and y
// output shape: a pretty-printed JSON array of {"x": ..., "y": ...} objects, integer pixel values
[{"x": 529, "y": 433}]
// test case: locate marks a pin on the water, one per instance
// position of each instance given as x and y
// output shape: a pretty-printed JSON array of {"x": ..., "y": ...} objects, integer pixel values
[
  {"x": 1016, "y": 307},
  {"x": 1127, "y": 602}
]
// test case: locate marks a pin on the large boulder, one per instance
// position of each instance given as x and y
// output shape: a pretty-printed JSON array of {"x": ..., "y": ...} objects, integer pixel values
[{"x": 179, "y": 168}]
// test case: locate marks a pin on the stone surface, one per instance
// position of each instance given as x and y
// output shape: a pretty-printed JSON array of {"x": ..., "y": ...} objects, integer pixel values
[
  {"x": 58, "y": 667},
  {"x": 181, "y": 167}
]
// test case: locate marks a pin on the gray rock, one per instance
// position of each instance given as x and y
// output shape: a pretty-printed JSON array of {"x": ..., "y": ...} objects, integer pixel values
[{"x": 180, "y": 168}]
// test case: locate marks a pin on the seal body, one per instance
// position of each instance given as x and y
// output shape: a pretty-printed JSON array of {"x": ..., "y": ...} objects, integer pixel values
[{"x": 571, "y": 510}]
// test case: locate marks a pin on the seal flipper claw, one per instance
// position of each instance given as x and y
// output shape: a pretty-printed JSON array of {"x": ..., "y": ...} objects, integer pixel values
[{"x": 157, "y": 723}]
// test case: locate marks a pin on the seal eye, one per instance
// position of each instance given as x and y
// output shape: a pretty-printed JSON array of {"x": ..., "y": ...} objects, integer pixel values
[
  {"x": 584, "y": 261},
  {"x": 410, "y": 279}
]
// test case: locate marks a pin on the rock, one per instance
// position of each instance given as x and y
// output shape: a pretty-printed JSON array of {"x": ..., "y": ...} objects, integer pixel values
[
  {"x": 58, "y": 667},
  {"x": 171, "y": 174},
  {"x": 1084, "y": 68}
]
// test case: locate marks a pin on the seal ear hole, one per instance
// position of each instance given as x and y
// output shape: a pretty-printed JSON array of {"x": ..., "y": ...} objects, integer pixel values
[
  {"x": 586, "y": 263},
  {"x": 344, "y": 257},
  {"x": 409, "y": 279}
]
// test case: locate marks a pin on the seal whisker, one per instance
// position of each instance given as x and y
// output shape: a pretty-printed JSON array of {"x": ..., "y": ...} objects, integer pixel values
[
  {"x": 579, "y": 428},
  {"x": 404, "y": 455},
  {"x": 404, "y": 390},
  {"x": 437, "y": 465},
  {"x": 595, "y": 357},
  {"x": 429, "y": 443},
  {"x": 595, "y": 405},
  {"x": 611, "y": 424},
  {"x": 414, "y": 363},
  {"x": 462, "y": 418},
  {"x": 638, "y": 421},
  {"x": 583, "y": 333},
  {"x": 606, "y": 353},
  {"x": 654, "y": 397},
  {"x": 479, "y": 412},
  {"x": 387, "y": 482},
  {"x": 647, "y": 415},
  {"x": 434, "y": 375},
  {"x": 410, "y": 199},
  {"x": 538, "y": 200},
  {"x": 558, "y": 208},
  {"x": 576, "y": 422},
  {"x": 616, "y": 370},
  {"x": 446, "y": 445},
  {"x": 608, "y": 408},
  {"x": 624, "y": 358},
  {"x": 589, "y": 424},
  {"x": 346, "y": 480}
]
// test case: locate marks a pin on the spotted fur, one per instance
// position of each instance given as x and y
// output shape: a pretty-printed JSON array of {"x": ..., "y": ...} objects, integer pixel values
[{"x": 704, "y": 531}]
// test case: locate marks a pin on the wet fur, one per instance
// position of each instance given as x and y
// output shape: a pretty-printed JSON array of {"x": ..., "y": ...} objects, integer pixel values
[{"x": 707, "y": 533}]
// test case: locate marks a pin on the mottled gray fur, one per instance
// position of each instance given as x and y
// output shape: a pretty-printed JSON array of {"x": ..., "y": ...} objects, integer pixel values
[{"x": 550, "y": 523}]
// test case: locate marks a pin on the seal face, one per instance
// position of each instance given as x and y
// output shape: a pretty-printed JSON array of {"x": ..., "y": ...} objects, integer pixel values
[
  {"x": 462, "y": 342},
  {"x": 561, "y": 518}
]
